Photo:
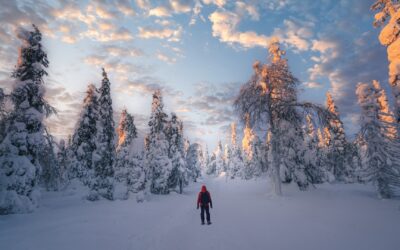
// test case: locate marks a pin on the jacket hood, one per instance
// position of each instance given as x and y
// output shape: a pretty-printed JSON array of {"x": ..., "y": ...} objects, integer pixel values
[{"x": 203, "y": 189}]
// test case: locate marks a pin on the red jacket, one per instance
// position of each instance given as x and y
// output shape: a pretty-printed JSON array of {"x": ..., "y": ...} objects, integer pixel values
[{"x": 199, "y": 200}]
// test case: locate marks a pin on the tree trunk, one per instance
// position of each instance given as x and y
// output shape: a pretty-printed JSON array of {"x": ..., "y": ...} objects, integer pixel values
[
  {"x": 275, "y": 159},
  {"x": 275, "y": 167},
  {"x": 180, "y": 186}
]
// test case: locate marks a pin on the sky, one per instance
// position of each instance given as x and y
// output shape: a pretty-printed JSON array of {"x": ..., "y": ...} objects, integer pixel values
[{"x": 198, "y": 52}]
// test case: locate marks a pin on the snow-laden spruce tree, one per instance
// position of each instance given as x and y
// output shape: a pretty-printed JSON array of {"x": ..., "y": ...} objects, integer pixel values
[
  {"x": 205, "y": 161},
  {"x": 158, "y": 162},
  {"x": 178, "y": 176},
  {"x": 2, "y": 99},
  {"x": 104, "y": 155},
  {"x": 314, "y": 166},
  {"x": 126, "y": 131},
  {"x": 385, "y": 115},
  {"x": 336, "y": 144},
  {"x": 227, "y": 157},
  {"x": 380, "y": 157},
  {"x": 63, "y": 160},
  {"x": 25, "y": 137},
  {"x": 84, "y": 138},
  {"x": 270, "y": 98},
  {"x": 212, "y": 165},
  {"x": 186, "y": 145},
  {"x": 129, "y": 172},
  {"x": 293, "y": 151},
  {"x": 51, "y": 176},
  {"x": 357, "y": 149},
  {"x": 251, "y": 165},
  {"x": 219, "y": 159},
  {"x": 3, "y": 115},
  {"x": 194, "y": 160},
  {"x": 390, "y": 37},
  {"x": 236, "y": 164}
]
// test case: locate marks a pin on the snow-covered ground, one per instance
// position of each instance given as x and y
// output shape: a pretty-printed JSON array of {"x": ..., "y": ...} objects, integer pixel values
[{"x": 245, "y": 216}]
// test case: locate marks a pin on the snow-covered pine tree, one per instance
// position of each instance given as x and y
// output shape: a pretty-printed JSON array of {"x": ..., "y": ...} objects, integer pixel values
[
  {"x": 337, "y": 146},
  {"x": 179, "y": 171},
  {"x": 390, "y": 37},
  {"x": 186, "y": 145},
  {"x": 2, "y": 99},
  {"x": 250, "y": 157},
  {"x": 379, "y": 155},
  {"x": 158, "y": 162},
  {"x": 219, "y": 159},
  {"x": 104, "y": 155},
  {"x": 83, "y": 140},
  {"x": 51, "y": 177},
  {"x": 270, "y": 99},
  {"x": 227, "y": 158},
  {"x": 25, "y": 137},
  {"x": 206, "y": 160},
  {"x": 212, "y": 165},
  {"x": 293, "y": 151},
  {"x": 72, "y": 160},
  {"x": 323, "y": 137},
  {"x": 63, "y": 161},
  {"x": 314, "y": 167},
  {"x": 236, "y": 164},
  {"x": 385, "y": 115},
  {"x": 129, "y": 172},
  {"x": 194, "y": 160},
  {"x": 3, "y": 115},
  {"x": 126, "y": 131}
]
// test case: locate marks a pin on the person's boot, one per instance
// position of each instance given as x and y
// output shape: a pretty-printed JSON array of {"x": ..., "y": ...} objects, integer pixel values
[
  {"x": 202, "y": 223},
  {"x": 208, "y": 222}
]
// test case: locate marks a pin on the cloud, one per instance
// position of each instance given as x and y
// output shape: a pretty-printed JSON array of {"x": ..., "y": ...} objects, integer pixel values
[
  {"x": 95, "y": 60},
  {"x": 124, "y": 69},
  {"x": 113, "y": 51},
  {"x": 181, "y": 6},
  {"x": 172, "y": 35},
  {"x": 250, "y": 9},
  {"x": 96, "y": 21},
  {"x": 219, "y": 3},
  {"x": 160, "y": 11},
  {"x": 122, "y": 34},
  {"x": 171, "y": 7},
  {"x": 313, "y": 85},
  {"x": 196, "y": 13},
  {"x": 125, "y": 7},
  {"x": 143, "y": 4},
  {"x": 165, "y": 58},
  {"x": 295, "y": 33},
  {"x": 146, "y": 85},
  {"x": 73, "y": 12},
  {"x": 224, "y": 25},
  {"x": 122, "y": 51},
  {"x": 103, "y": 12},
  {"x": 346, "y": 62},
  {"x": 174, "y": 50},
  {"x": 117, "y": 59},
  {"x": 106, "y": 26},
  {"x": 323, "y": 46},
  {"x": 214, "y": 102}
]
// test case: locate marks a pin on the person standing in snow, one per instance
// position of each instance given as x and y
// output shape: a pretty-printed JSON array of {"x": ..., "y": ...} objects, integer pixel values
[{"x": 204, "y": 202}]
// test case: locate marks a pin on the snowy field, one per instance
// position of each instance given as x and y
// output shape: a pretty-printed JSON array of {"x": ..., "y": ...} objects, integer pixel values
[{"x": 245, "y": 216}]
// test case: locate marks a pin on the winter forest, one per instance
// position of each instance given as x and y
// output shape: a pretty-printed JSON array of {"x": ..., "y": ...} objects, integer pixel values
[{"x": 282, "y": 153}]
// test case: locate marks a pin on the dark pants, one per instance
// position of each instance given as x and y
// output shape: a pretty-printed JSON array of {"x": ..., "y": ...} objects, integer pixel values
[{"x": 207, "y": 210}]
